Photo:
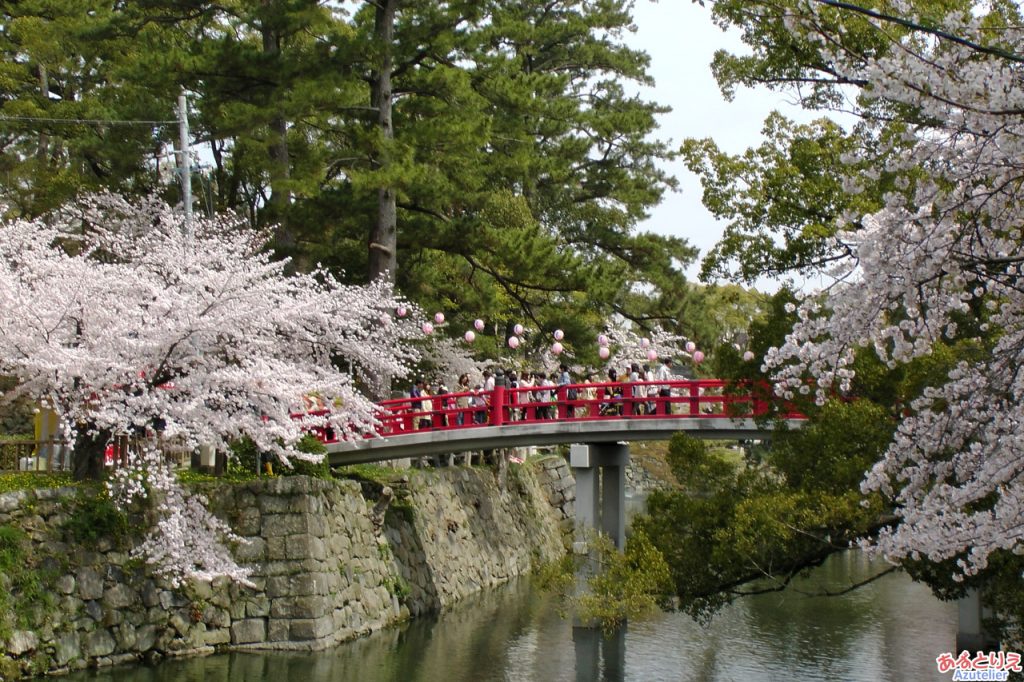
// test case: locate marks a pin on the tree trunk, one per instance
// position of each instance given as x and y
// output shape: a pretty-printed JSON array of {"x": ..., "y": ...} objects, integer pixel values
[
  {"x": 280, "y": 162},
  {"x": 87, "y": 458},
  {"x": 383, "y": 257},
  {"x": 43, "y": 145}
]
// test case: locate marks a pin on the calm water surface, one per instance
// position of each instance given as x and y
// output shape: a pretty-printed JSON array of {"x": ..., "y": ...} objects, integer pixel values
[{"x": 890, "y": 630}]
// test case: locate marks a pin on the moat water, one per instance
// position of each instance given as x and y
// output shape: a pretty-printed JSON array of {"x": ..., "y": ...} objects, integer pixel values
[{"x": 889, "y": 630}]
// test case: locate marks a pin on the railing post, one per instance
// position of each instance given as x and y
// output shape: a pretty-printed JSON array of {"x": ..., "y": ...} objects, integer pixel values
[
  {"x": 562, "y": 408},
  {"x": 627, "y": 400},
  {"x": 498, "y": 406},
  {"x": 694, "y": 399},
  {"x": 436, "y": 417}
]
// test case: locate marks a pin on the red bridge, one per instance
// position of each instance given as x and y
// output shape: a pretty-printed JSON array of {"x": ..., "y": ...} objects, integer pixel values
[{"x": 573, "y": 413}]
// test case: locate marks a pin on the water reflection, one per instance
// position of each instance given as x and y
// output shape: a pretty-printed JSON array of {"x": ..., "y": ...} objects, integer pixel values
[{"x": 889, "y": 630}]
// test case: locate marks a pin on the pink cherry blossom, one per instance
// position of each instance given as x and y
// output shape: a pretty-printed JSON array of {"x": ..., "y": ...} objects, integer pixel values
[{"x": 208, "y": 337}]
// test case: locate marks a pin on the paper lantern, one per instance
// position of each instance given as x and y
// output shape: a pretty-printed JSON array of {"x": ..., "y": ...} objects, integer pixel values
[
  {"x": 469, "y": 336},
  {"x": 427, "y": 328},
  {"x": 479, "y": 324},
  {"x": 698, "y": 356},
  {"x": 645, "y": 342},
  {"x": 559, "y": 335},
  {"x": 690, "y": 346},
  {"x": 513, "y": 342},
  {"x": 518, "y": 329},
  {"x": 602, "y": 340},
  {"x": 556, "y": 348},
  {"x": 652, "y": 355},
  {"x": 748, "y": 356},
  {"x": 401, "y": 311},
  {"x": 604, "y": 352},
  {"x": 439, "y": 318}
]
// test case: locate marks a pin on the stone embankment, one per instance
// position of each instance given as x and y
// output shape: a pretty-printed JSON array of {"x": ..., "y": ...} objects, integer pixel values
[{"x": 325, "y": 568}]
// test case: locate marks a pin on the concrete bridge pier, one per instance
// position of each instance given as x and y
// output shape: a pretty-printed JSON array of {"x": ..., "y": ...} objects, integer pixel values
[
  {"x": 970, "y": 632},
  {"x": 600, "y": 472}
]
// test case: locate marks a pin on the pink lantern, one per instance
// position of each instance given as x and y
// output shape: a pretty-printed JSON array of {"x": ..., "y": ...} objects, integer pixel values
[
  {"x": 652, "y": 355},
  {"x": 427, "y": 328},
  {"x": 513, "y": 342},
  {"x": 604, "y": 352},
  {"x": 645, "y": 342},
  {"x": 690, "y": 346},
  {"x": 556, "y": 348},
  {"x": 748, "y": 356},
  {"x": 602, "y": 340},
  {"x": 469, "y": 336},
  {"x": 518, "y": 329},
  {"x": 439, "y": 318},
  {"x": 479, "y": 324},
  {"x": 401, "y": 311},
  {"x": 698, "y": 357},
  {"x": 559, "y": 335}
]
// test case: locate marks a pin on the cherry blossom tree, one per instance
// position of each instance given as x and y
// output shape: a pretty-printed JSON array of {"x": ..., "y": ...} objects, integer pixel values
[
  {"x": 116, "y": 319},
  {"x": 941, "y": 262},
  {"x": 632, "y": 347}
]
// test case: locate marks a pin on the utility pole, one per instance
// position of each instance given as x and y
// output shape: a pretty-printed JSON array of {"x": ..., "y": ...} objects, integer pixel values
[{"x": 184, "y": 167}]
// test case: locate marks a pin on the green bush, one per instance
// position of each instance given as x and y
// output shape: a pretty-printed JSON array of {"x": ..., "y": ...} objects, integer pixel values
[
  {"x": 246, "y": 458},
  {"x": 95, "y": 517},
  {"x": 25, "y": 593},
  {"x": 309, "y": 444}
]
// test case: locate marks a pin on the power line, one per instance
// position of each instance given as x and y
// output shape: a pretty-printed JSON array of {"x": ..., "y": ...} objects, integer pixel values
[{"x": 40, "y": 119}]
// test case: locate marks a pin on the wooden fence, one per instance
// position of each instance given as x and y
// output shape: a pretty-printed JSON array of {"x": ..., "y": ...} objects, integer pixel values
[
  {"x": 32, "y": 455},
  {"x": 54, "y": 456}
]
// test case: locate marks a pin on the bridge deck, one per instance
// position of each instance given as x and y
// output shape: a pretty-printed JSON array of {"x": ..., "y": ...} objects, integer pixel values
[{"x": 523, "y": 434}]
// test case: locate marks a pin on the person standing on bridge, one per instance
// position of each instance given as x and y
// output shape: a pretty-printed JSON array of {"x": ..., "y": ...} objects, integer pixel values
[
  {"x": 462, "y": 402},
  {"x": 665, "y": 390},
  {"x": 650, "y": 389}
]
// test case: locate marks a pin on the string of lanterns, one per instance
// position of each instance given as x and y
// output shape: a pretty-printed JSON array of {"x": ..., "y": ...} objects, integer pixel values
[{"x": 557, "y": 348}]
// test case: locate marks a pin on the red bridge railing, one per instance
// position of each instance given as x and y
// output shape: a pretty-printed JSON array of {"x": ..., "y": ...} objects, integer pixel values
[{"x": 702, "y": 398}]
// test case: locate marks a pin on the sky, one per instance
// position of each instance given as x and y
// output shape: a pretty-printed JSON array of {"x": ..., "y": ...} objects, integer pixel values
[{"x": 681, "y": 40}]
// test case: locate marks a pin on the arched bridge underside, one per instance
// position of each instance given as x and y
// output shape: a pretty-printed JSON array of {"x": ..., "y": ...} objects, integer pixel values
[{"x": 524, "y": 434}]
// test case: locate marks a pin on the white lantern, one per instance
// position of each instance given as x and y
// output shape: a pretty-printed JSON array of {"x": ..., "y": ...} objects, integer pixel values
[
  {"x": 427, "y": 328},
  {"x": 556, "y": 348},
  {"x": 401, "y": 311},
  {"x": 604, "y": 352},
  {"x": 652, "y": 355},
  {"x": 602, "y": 340},
  {"x": 698, "y": 357},
  {"x": 645, "y": 342},
  {"x": 513, "y": 342},
  {"x": 748, "y": 356},
  {"x": 439, "y": 318},
  {"x": 690, "y": 346},
  {"x": 469, "y": 336},
  {"x": 518, "y": 329},
  {"x": 479, "y": 324},
  {"x": 559, "y": 335}
]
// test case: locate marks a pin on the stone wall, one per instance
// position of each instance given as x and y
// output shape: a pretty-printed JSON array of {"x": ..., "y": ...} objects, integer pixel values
[{"x": 323, "y": 571}]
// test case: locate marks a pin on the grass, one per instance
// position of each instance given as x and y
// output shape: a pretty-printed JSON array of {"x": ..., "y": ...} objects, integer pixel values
[
  {"x": 187, "y": 476},
  {"x": 372, "y": 473},
  {"x": 31, "y": 480}
]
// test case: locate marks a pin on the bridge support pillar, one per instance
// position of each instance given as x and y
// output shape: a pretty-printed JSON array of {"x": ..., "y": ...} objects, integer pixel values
[
  {"x": 600, "y": 472},
  {"x": 970, "y": 633}
]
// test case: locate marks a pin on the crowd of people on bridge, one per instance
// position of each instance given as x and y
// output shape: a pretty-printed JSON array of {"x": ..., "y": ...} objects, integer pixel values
[{"x": 535, "y": 395}]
